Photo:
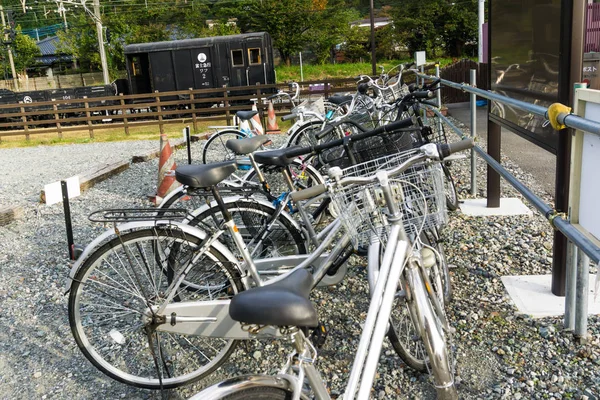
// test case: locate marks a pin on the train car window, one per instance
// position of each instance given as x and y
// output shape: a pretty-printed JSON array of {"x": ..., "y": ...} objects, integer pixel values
[
  {"x": 254, "y": 56},
  {"x": 135, "y": 66},
  {"x": 237, "y": 58}
]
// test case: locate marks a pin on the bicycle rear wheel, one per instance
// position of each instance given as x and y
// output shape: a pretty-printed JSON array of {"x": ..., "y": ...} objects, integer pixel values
[
  {"x": 265, "y": 233},
  {"x": 114, "y": 289},
  {"x": 214, "y": 149},
  {"x": 303, "y": 177}
]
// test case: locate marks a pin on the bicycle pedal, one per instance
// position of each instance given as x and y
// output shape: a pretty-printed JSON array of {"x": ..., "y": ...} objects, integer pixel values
[{"x": 319, "y": 335}]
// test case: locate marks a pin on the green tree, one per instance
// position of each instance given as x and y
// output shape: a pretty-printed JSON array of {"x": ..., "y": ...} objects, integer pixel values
[
  {"x": 25, "y": 51},
  {"x": 357, "y": 45},
  {"x": 435, "y": 25},
  {"x": 332, "y": 28},
  {"x": 286, "y": 22}
]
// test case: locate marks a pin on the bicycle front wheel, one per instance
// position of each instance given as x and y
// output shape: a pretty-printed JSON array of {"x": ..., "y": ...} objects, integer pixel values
[
  {"x": 450, "y": 189},
  {"x": 115, "y": 288},
  {"x": 432, "y": 334}
]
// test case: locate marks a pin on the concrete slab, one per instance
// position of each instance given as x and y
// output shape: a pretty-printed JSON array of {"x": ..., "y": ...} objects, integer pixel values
[
  {"x": 508, "y": 206},
  {"x": 532, "y": 295}
]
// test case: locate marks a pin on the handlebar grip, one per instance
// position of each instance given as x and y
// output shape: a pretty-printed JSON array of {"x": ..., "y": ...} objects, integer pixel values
[
  {"x": 434, "y": 83},
  {"x": 326, "y": 131},
  {"x": 308, "y": 193},
  {"x": 423, "y": 94},
  {"x": 289, "y": 116},
  {"x": 447, "y": 149},
  {"x": 430, "y": 103},
  {"x": 273, "y": 96}
]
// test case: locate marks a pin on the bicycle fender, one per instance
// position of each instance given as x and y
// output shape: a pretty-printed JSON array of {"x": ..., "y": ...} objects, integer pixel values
[
  {"x": 218, "y": 391},
  {"x": 174, "y": 193},
  {"x": 129, "y": 226}
]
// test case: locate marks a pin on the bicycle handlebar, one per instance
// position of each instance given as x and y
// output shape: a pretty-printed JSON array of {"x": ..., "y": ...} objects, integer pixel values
[
  {"x": 289, "y": 116},
  {"x": 447, "y": 149},
  {"x": 394, "y": 126}
]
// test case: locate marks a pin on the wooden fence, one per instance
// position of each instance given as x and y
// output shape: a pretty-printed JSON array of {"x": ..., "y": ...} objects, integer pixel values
[
  {"x": 160, "y": 108},
  {"x": 187, "y": 106},
  {"x": 460, "y": 72}
]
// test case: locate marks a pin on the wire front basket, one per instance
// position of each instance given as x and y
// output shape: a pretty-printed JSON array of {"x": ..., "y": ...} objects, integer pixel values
[
  {"x": 360, "y": 151},
  {"x": 393, "y": 92},
  {"x": 419, "y": 193},
  {"x": 437, "y": 128}
]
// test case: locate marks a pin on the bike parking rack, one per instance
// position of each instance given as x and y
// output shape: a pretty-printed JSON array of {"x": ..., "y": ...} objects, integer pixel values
[{"x": 580, "y": 249}]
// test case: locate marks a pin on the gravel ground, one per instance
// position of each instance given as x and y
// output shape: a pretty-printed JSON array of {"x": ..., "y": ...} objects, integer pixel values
[
  {"x": 27, "y": 170},
  {"x": 500, "y": 353}
]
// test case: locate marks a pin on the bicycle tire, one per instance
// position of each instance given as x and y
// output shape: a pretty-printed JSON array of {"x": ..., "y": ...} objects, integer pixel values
[
  {"x": 450, "y": 186},
  {"x": 432, "y": 335},
  {"x": 251, "y": 217},
  {"x": 305, "y": 135},
  {"x": 432, "y": 237},
  {"x": 182, "y": 199},
  {"x": 260, "y": 393},
  {"x": 214, "y": 149},
  {"x": 116, "y": 279},
  {"x": 304, "y": 176}
]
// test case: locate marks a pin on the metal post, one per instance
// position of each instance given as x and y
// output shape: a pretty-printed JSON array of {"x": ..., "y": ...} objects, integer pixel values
[
  {"x": 473, "y": 133},
  {"x": 188, "y": 142},
  {"x": 101, "y": 42},
  {"x": 582, "y": 294},
  {"x": 480, "y": 21},
  {"x": 561, "y": 204},
  {"x": 372, "y": 18},
  {"x": 301, "y": 70},
  {"x": 570, "y": 287},
  {"x": 68, "y": 224},
  {"x": 493, "y": 178},
  {"x": 10, "y": 55},
  {"x": 438, "y": 93}
]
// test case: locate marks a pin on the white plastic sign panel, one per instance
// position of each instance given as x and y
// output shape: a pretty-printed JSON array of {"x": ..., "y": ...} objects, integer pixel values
[
  {"x": 589, "y": 192},
  {"x": 53, "y": 191},
  {"x": 420, "y": 58}
]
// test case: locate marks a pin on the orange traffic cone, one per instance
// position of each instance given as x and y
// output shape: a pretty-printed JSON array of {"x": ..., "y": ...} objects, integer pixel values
[
  {"x": 272, "y": 126},
  {"x": 258, "y": 125},
  {"x": 166, "y": 171}
]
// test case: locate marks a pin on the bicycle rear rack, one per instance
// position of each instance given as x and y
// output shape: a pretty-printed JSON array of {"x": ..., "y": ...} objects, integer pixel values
[{"x": 138, "y": 214}]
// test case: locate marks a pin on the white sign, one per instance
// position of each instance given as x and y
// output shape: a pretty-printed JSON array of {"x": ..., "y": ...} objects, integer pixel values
[
  {"x": 27, "y": 99},
  {"x": 420, "y": 58},
  {"x": 589, "y": 193},
  {"x": 202, "y": 57},
  {"x": 53, "y": 191}
]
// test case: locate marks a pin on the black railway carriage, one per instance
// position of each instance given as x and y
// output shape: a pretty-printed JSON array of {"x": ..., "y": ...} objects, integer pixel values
[{"x": 213, "y": 62}]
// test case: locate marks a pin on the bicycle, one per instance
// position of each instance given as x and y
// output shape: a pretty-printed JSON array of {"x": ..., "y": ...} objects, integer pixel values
[
  {"x": 146, "y": 264},
  {"x": 284, "y": 305}
]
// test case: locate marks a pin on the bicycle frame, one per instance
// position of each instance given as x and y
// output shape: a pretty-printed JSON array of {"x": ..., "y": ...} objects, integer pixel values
[
  {"x": 211, "y": 318},
  {"x": 375, "y": 328}
]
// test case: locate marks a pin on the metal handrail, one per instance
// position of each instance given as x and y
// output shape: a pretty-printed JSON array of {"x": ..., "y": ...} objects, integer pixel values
[
  {"x": 570, "y": 120},
  {"x": 557, "y": 220}
]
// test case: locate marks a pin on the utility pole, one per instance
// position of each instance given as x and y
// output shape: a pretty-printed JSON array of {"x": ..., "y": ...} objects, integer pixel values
[
  {"x": 63, "y": 11},
  {"x": 10, "y": 56},
  {"x": 101, "y": 42},
  {"x": 373, "y": 61}
]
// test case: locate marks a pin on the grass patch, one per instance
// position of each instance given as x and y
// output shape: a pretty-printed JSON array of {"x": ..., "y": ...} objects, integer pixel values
[
  {"x": 149, "y": 132},
  {"x": 337, "y": 71}
]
